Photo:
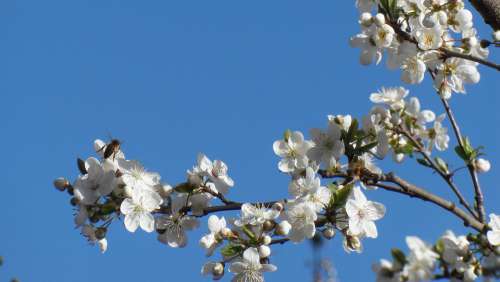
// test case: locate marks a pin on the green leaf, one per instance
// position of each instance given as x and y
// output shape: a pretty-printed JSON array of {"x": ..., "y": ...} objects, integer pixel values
[
  {"x": 185, "y": 187},
  {"x": 341, "y": 195},
  {"x": 460, "y": 152},
  {"x": 366, "y": 148},
  {"x": 398, "y": 256},
  {"x": 248, "y": 232},
  {"x": 424, "y": 162},
  {"x": 442, "y": 165},
  {"x": 439, "y": 247},
  {"x": 352, "y": 130},
  {"x": 231, "y": 250},
  {"x": 108, "y": 208}
]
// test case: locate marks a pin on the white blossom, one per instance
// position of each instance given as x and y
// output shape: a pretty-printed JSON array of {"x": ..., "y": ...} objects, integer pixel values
[
  {"x": 362, "y": 214},
  {"x": 327, "y": 147},
  {"x": 137, "y": 210},
  {"x": 211, "y": 241},
  {"x": 250, "y": 269},
  {"x": 301, "y": 217},
  {"x": 216, "y": 171},
  {"x": 293, "y": 151},
  {"x": 494, "y": 234},
  {"x": 99, "y": 181},
  {"x": 255, "y": 215},
  {"x": 453, "y": 73},
  {"x": 439, "y": 134},
  {"x": 421, "y": 260},
  {"x": 393, "y": 97},
  {"x": 173, "y": 229}
]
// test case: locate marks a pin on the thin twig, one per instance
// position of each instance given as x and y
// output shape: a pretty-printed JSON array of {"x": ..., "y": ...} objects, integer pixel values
[
  {"x": 414, "y": 191},
  {"x": 447, "y": 177},
  {"x": 472, "y": 171}
]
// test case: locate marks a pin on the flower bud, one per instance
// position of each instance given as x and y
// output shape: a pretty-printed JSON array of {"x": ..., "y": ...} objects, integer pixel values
[
  {"x": 283, "y": 228},
  {"x": 264, "y": 251},
  {"x": 61, "y": 183},
  {"x": 164, "y": 190},
  {"x": 329, "y": 233},
  {"x": 496, "y": 35},
  {"x": 218, "y": 270},
  {"x": 266, "y": 240},
  {"x": 352, "y": 243},
  {"x": 365, "y": 19},
  {"x": 379, "y": 19},
  {"x": 100, "y": 233},
  {"x": 482, "y": 165},
  {"x": 268, "y": 225},
  {"x": 103, "y": 245}
]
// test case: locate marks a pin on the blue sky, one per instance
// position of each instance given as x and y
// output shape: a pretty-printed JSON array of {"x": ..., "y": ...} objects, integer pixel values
[{"x": 174, "y": 78}]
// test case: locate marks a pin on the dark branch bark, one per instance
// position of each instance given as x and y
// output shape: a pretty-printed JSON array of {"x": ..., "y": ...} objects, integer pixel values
[
  {"x": 489, "y": 10},
  {"x": 411, "y": 190}
]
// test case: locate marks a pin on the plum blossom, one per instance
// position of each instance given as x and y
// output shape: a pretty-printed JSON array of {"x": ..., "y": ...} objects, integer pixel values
[
  {"x": 172, "y": 229},
  {"x": 453, "y": 73},
  {"x": 255, "y": 215},
  {"x": 135, "y": 176},
  {"x": 393, "y": 97},
  {"x": 250, "y": 268},
  {"x": 421, "y": 260},
  {"x": 327, "y": 146},
  {"x": 293, "y": 151},
  {"x": 213, "y": 239},
  {"x": 99, "y": 181},
  {"x": 301, "y": 217},
  {"x": 439, "y": 135},
  {"x": 494, "y": 234},
  {"x": 216, "y": 171},
  {"x": 362, "y": 214},
  {"x": 137, "y": 210}
]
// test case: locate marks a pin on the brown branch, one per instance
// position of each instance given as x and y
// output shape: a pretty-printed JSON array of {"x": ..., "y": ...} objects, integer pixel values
[
  {"x": 446, "y": 176},
  {"x": 489, "y": 10},
  {"x": 470, "y": 166},
  {"x": 450, "y": 53},
  {"x": 411, "y": 190},
  {"x": 445, "y": 52}
]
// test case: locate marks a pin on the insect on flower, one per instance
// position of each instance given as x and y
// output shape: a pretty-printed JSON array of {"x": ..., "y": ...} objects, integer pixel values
[{"x": 111, "y": 149}]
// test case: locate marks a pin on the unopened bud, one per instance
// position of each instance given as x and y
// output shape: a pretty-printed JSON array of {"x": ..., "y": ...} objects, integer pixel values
[
  {"x": 61, "y": 183},
  {"x": 329, "y": 233},
  {"x": 100, "y": 233},
  {"x": 283, "y": 228},
  {"x": 268, "y": 225},
  {"x": 482, "y": 165},
  {"x": 218, "y": 270},
  {"x": 379, "y": 19},
  {"x": 264, "y": 251},
  {"x": 164, "y": 190},
  {"x": 496, "y": 35},
  {"x": 266, "y": 240},
  {"x": 103, "y": 245},
  {"x": 365, "y": 19}
]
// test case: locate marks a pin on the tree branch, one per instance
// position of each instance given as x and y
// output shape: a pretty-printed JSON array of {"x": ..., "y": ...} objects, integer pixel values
[
  {"x": 472, "y": 171},
  {"x": 411, "y": 190},
  {"x": 489, "y": 10},
  {"x": 446, "y": 177},
  {"x": 450, "y": 53}
]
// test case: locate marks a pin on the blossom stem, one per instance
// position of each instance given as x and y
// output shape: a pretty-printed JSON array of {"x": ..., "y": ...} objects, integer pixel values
[
  {"x": 475, "y": 180},
  {"x": 412, "y": 190},
  {"x": 446, "y": 176}
]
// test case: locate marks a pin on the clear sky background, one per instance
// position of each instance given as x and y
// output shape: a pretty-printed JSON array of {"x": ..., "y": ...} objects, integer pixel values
[{"x": 174, "y": 78}]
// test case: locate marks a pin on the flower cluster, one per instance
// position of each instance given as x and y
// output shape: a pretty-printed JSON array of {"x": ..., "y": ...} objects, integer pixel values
[
  {"x": 420, "y": 36},
  {"x": 458, "y": 258}
]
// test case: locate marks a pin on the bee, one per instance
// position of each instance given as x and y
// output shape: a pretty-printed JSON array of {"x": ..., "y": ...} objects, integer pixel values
[{"x": 111, "y": 149}]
